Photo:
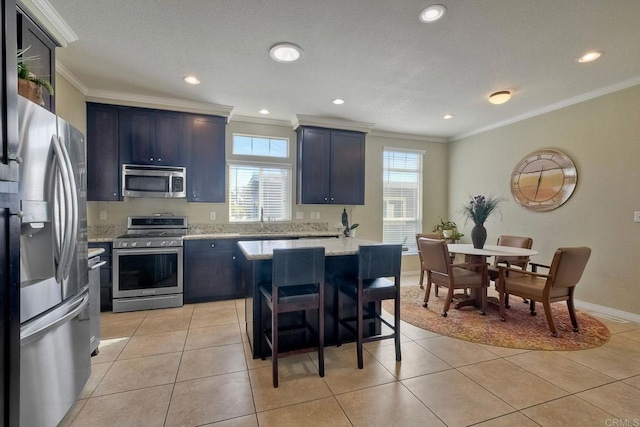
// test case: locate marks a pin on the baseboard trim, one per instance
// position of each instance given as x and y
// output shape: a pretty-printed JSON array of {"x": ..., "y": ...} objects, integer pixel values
[{"x": 610, "y": 313}]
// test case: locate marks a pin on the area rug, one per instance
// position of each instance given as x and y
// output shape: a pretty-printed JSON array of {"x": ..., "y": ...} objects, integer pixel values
[{"x": 521, "y": 330}]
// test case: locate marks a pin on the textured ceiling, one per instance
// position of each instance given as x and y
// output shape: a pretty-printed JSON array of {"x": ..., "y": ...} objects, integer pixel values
[{"x": 391, "y": 69}]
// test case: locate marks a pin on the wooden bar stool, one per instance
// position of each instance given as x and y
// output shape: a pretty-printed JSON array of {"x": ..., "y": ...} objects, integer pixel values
[
  {"x": 375, "y": 264},
  {"x": 297, "y": 284}
]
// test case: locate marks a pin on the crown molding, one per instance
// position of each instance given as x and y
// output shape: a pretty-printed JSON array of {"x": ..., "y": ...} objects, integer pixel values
[
  {"x": 132, "y": 100},
  {"x": 71, "y": 78},
  {"x": 332, "y": 123},
  {"x": 259, "y": 120},
  {"x": 50, "y": 20},
  {"x": 553, "y": 107},
  {"x": 408, "y": 136}
]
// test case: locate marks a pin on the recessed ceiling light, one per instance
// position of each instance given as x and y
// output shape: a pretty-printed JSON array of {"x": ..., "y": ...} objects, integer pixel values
[
  {"x": 590, "y": 56},
  {"x": 338, "y": 101},
  {"x": 285, "y": 52},
  {"x": 448, "y": 116},
  {"x": 263, "y": 111},
  {"x": 432, "y": 13},
  {"x": 192, "y": 80},
  {"x": 500, "y": 97}
]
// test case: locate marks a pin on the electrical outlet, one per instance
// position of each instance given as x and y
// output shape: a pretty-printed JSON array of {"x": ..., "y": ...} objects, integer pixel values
[
  {"x": 636, "y": 216},
  {"x": 103, "y": 215},
  {"x": 313, "y": 215},
  {"x": 212, "y": 216},
  {"x": 299, "y": 215},
  {"x": 317, "y": 215}
]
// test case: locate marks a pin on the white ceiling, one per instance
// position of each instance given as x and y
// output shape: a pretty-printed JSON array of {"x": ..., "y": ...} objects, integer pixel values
[{"x": 391, "y": 69}]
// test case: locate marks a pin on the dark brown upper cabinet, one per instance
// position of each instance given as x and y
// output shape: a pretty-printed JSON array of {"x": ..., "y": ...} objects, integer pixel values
[
  {"x": 152, "y": 137},
  {"x": 330, "y": 166},
  {"x": 103, "y": 164},
  {"x": 205, "y": 139},
  {"x": 44, "y": 48}
]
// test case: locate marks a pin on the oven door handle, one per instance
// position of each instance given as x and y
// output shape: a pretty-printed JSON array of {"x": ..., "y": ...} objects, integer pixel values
[{"x": 147, "y": 251}]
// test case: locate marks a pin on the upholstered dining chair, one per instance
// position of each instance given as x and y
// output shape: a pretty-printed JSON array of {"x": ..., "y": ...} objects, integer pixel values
[
  {"x": 297, "y": 284},
  {"x": 510, "y": 261},
  {"x": 377, "y": 264},
  {"x": 558, "y": 284},
  {"x": 441, "y": 271},
  {"x": 434, "y": 236}
]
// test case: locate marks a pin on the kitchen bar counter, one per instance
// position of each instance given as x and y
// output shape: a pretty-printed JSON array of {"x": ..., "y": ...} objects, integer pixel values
[
  {"x": 340, "y": 259},
  {"x": 93, "y": 252},
  {"x": 263, "y": 249}
]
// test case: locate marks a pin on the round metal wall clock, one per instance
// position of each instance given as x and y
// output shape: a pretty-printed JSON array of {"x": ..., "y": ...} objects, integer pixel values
[{"x": 543, "y": 180}]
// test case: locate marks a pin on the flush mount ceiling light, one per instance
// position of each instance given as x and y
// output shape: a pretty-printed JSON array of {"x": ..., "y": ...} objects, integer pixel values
[
  {"x": 263, "y": 111},
  {"x": 500, "y": 97},
  {"x": 448, "y": 116},
  {"x": 285, "y": 52},
  {"x": 432, "y": 13},
  {"x": 192, "y": 80},
  {"x": 590, "y": 56},
  {"x": 338, "y": 101}
]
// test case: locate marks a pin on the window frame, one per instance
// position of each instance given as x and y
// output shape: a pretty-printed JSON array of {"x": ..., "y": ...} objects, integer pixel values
[
  {"x": 410, "y": 242},
  {"x": 249, "y": 160}
]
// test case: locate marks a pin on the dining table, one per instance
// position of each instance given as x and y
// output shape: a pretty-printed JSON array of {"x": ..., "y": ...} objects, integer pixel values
[{"x": 479, "y": 256}]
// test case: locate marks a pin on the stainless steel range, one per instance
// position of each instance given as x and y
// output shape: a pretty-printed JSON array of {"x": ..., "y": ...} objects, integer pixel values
[{"x": 147, "y": 263}]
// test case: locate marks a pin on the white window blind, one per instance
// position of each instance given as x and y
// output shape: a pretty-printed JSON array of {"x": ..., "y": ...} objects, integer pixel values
[
  {"x": 253, "y": 187},
  {"x": 402, "y": 196}
]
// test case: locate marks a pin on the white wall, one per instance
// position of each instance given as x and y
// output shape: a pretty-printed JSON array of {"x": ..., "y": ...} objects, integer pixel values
[{"x": 602, "y": 137}]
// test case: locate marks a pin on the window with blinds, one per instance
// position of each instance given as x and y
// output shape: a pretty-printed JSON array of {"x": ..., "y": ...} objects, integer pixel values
[
  {"x": 258, "y": 186},
  {"x": 402, "y": 196}
]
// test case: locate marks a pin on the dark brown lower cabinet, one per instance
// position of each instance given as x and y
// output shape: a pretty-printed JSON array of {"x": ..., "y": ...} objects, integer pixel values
[
  {"x": 106, "y": 279},
  {"x": 211, "y": 270}
]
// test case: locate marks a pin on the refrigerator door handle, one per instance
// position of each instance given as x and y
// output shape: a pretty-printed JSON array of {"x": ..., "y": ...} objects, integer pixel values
[
  {"x": 75, "y": 308},
  {"x": 63, "y": 172},
  {"x": 72, "y": 191}
]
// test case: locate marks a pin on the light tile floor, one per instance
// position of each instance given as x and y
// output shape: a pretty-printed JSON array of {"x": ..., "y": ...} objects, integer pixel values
[{"x": 191, "y": 366}]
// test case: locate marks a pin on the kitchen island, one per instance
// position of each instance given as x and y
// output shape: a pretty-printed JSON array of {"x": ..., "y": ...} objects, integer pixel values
[{"x": 340, "y": 259}]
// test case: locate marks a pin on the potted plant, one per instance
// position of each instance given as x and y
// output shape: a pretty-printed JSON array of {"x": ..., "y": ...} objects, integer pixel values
[
  {"x": 29, "y": 85},
  {"x": 448, "y": 230},
  {"x": 478, "y": 209}
]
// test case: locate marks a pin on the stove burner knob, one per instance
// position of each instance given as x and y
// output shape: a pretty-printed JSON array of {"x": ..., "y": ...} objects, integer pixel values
[
  {"x": 171, "y": 243},
  {"x": 148, "y": 243},
  {"x": 163, "y": 243},
  {"x": 133, "y": 244},
  {"x": 124, "y": 244}
]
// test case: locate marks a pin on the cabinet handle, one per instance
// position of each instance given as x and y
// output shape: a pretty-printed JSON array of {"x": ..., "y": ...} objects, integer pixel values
[
  {"x": 151, "y": 159},
  {"x": 234, "y": 257},
  {"x": 159, "y": 160},
  {"x": 115, "y": 194},
  {"x": 325, "y": 199},
  {"x": 213, "y": 245},
  {"x": 332, "y": 199}
]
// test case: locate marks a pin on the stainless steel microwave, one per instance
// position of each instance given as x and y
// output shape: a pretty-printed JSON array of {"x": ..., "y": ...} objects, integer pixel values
[{"x": 154, "y": 181}]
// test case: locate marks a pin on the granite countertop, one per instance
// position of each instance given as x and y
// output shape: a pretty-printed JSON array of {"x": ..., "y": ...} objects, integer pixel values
[
  {"x": 267, "y": 235},
  {"x": 263, "y": 249},
  {"x": 93, "y": 252}
]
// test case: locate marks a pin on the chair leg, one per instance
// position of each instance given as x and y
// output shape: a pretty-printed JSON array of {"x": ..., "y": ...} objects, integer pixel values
[
  {"x": 360, "y": 322},
  {"x": 572, "y": 314},
  {"x": 427, "y": 293},
  {"x": 397, "y": 328},
  {"x": 447, "y": 303},
  {"x": 506, "y": 301},
  {"x": 421, "y": 279},
  {"x": 503, "y": 302},
  {"x": 274, "y": 350},
  {"x": 547, "y": 312},
  {"x": 483, "y": 312},
  {"x": 321, "y": 330},
  {"x": 336, "y": 326},
  {"x": 436, "y": 290},
  {"x": 532, "y": 307}
]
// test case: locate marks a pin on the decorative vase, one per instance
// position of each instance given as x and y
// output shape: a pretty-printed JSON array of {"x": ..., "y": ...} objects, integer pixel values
[
  {"x": 478, "y": 236},
  {"x": 447, "y": 234}
]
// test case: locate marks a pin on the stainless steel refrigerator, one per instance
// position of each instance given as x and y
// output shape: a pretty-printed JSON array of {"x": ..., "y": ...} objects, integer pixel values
[{"x": 54, "y": 334}]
